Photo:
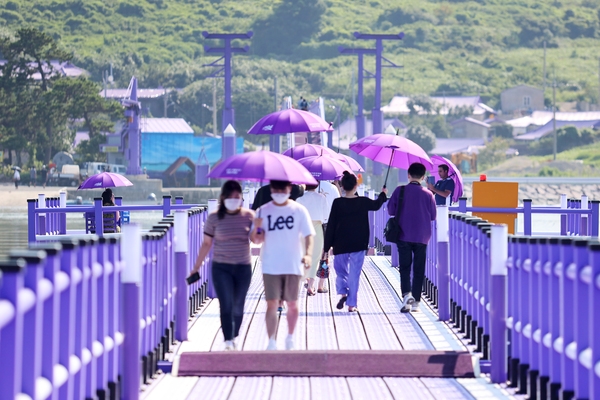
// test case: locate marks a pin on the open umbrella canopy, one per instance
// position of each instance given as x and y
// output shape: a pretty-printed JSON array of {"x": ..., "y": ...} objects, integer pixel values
[
  {"x": 453, "y": 173},
  {"x": 349, "y": 161},
  {"x": 391, "y": 150},
  {"x": 308, "y": 150},
  {"x": 289, "y": 121},
  {"x": 262, "y": 166},
  {"x": 105, "y": 180},
  {"x": 16, "y": 168},
  {"x": 324, "y": 168}
]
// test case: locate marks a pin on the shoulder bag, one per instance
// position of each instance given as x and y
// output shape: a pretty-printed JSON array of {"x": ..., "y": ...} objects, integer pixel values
[{"x": 392, "y": 230}]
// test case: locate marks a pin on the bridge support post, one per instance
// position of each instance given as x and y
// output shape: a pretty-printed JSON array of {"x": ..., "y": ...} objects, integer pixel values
[
  {"x": 443, "y": 267},
  {"x": 131, "y": 277},
  {"x": 498, "y": 300},
  {"x": 181, "y": 296}
]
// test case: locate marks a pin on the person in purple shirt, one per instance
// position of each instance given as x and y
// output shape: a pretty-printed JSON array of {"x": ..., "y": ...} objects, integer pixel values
[{"x": 417, "y": 210}]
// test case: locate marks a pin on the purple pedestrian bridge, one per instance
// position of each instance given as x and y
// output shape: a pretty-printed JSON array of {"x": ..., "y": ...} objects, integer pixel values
[{"x": 109, "y": 315}]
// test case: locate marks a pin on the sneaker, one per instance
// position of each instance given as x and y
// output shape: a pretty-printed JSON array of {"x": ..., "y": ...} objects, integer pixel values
[
  {"x": 289, "y": 342},
  {"x": 415, "y": 306},
  {"x": 272, "y": 344},
  {"x": 229, "y": 345},
  {"x": 407, "y": 303}
]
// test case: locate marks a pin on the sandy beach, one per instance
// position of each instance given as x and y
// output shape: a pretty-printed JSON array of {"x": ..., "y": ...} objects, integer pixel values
[{"x": 11, "y": 197}]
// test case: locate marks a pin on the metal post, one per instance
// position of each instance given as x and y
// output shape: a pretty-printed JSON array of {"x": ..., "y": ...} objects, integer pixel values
[
  {"x": 595, "y": 217},
  {"x": 498, "y": 301},
  {"x": 166, "y": 206},
  {"x": 31, "y": 219},
  {"x": 62, "y": 228},
  {"x": 41, "y": 225},
  {"x": 554, "y": 117},
  {"x": 99, "y": 216},
  {"x": 527, "y": 217},
  {"x": 563, "y": 217},
  {"x": 443, "y": 266},
  {"x": 131, "y": 278},
  {"x": 133, "y": 114},
  {"x": 584, "y": 217},
  {"x": 275, "y": 140},
  {"x": 181, "y": 254}
]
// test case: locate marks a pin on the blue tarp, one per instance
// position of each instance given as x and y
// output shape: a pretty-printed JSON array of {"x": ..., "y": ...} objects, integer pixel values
[{"x": 160, "y": 150}]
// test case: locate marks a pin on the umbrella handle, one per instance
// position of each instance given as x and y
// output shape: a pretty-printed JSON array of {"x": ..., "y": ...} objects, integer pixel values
[{"x": 388, "y": 170}]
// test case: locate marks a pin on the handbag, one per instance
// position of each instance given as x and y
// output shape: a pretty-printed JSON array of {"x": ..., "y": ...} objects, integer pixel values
[
  {"x": 392, "y": 229},
  {"x": 323, "y": 270}
]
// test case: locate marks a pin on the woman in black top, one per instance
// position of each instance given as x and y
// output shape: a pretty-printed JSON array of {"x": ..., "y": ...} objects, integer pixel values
[{"x": 348, "y": 234}]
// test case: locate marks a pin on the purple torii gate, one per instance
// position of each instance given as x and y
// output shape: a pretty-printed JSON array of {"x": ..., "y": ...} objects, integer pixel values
[
  {"x": 360, "y": 116},
  {"x": 228, "y": 148},
  {"x": 377, "y": 115}
]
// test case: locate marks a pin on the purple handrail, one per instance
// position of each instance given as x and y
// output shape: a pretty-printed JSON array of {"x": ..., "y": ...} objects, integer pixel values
[{"x": 73, "y": 325}]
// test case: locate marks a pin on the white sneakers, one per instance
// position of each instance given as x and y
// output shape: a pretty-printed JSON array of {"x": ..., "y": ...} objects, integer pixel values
[
  {"x": 407, "y": 303},
  {"x": 229, "y": 345},
  {"x": 272, "y": 345},
  {"x": 289, "y": 343},
  {"x": 415, "y": 306}
]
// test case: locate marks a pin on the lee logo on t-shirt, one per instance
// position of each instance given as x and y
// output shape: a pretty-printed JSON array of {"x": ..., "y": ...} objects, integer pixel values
[{"x": 281, "y": 223}]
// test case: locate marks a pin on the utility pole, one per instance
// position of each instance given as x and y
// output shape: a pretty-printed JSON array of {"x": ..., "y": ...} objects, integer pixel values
[
  {"x": 214, "y": 108},
  {"x": 554, "y": 116},
  {"x": 598, "y": 102},
  {"x": 275, "y": 140},
  {"x": 544, "y": 78},
  {"x": 165, "y": 99}
]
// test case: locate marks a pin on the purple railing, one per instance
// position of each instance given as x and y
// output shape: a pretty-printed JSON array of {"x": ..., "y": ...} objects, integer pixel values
[{"x": 93, "y": 317}]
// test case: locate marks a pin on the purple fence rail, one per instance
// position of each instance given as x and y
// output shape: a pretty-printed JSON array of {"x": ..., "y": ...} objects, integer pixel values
[{"x": 92, "y": 317}]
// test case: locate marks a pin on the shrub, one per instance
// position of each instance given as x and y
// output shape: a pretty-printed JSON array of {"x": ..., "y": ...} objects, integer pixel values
[{"x": 421, "y": 135}]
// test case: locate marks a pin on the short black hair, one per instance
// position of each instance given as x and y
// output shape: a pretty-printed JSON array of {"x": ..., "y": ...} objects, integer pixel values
[
  {"x": 417, "y": 170},
  {"x": 349, "y": 181},
  {"x": 280, "y": 185},
  {"x": 311, "y": 187},
  {"x": 444, "y": 167}
]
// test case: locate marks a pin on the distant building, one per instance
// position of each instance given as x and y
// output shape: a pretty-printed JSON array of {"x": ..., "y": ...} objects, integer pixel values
[
  {"x": 153, "y": 100},
  {"x": 469, "y": 128},
  {"x": 530, "y": 127},
  {"x": 64, "y": 68},
  {"x": 448, "y": 147},
  {"x": 346, "y": 132},
  {"x": 522, "y": 98},
  {"x": 445, "y": 105}
]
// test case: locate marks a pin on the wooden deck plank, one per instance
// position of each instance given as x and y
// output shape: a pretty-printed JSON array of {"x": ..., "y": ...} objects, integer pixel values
[
  {"x": 411, "y": 335},
  {"x": 290, "y": 388},
  {"x": 250, "y": 387},
  {"x": 300, "y": 331},
  {"x": 320, "y": 329},
  {"x": 204, "y": 332},
  {"x": 369, "y": 389},
  {"x": 348, "y": 327},
  {"x": 481, "y": 388},
  {"x": 408, "y": 388},
  {"x": 213, "y": 388},
  {"x": 447, "y": 389},
  {"x": 329, "y": 388},
  {"x": 172, "y": 388},
  {"x": 438, "y": 333}
]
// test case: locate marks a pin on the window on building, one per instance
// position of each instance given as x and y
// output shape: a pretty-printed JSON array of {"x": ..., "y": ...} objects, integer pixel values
[{"x": 526, "y": 101}]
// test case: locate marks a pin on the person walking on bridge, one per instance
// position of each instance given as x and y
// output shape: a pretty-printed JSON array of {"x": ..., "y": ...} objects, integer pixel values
[
  {"x": 228, "y": 230},
  {"x": 348, "y": 233},
  {"x": 286, "y": 232},
  {"x": 417, "y": 210}
]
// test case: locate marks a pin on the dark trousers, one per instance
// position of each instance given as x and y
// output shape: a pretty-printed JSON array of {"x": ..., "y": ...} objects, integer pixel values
[
  {"x": 231, "y": 282},
  {"x": 412, "y": 254}
]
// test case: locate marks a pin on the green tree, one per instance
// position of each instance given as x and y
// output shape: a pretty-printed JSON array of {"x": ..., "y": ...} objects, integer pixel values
[
  {"x": 493, "y": 154},
  {"x": 421, "y": 135}
]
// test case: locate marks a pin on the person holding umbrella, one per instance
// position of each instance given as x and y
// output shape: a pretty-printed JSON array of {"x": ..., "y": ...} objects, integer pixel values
[
  {"x": 348, "y": 233},
  {"x": 416, "y": 208},
  {"x": 17, "y": 176},
  {"x": 443, "y": 188}
]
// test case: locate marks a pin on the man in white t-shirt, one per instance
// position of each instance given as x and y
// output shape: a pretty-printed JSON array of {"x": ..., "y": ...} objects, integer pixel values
[
  {"x": 330, "y": 192},
  {"x": 285, "y": 229}
]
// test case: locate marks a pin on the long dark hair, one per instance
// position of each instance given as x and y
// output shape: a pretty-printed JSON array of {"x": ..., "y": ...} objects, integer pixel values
[
  {"x": 227, "y": 190},
  {"x": 349, "y": 181}
]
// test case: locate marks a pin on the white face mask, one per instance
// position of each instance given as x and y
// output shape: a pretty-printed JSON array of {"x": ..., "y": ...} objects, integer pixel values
[
  {"x": 280, "y": 198},
  {"x": 233, "y": 204}
]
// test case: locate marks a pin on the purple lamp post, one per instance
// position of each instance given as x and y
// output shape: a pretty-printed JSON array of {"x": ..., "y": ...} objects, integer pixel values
[
  {"x": 132, "y": 113},
  {"x": 228, "y": 111},
  {"x": 360, "y": 116},
  {"x": 377, "y": 115}
]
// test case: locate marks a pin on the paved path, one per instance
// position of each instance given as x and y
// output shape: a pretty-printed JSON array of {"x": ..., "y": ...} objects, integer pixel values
[{"x": 379, "y": 325}]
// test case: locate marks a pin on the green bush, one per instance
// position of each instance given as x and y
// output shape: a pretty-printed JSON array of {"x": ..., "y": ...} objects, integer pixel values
[{"x": 421, "y": 135}]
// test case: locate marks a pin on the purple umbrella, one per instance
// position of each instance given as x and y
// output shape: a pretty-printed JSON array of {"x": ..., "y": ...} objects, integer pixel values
[
  {"x": 349, "y": 161},
  {"x": 324, "y": 168},
  {"x": 391, "y": 150},
  {"x": 289, "y": 121},
  {"x": 105, "y": 180},
  {"x": 308, "y": 150},
  {"x": 262, "y": 166},
  {"x": 453, "y": 173}
]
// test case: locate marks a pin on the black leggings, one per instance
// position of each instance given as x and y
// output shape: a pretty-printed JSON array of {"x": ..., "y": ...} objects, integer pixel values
[
  {"x": 412, "y": 254},
  {"x": 231, "y": 282}
]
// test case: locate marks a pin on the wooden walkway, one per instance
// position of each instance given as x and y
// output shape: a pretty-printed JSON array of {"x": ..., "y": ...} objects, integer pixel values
[{"x": 379, "y": 325}]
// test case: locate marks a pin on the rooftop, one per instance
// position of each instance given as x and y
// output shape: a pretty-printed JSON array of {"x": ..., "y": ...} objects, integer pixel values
[
  {"x": 165, "y": 125},
  {"x": 540, "y": 118},
  {"x": 399, "y": 104},
  {"x": 451, "y": 146}
]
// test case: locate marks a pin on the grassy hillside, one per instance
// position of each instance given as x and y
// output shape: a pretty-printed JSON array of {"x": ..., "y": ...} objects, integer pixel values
[{"x": 455, "y": 47}]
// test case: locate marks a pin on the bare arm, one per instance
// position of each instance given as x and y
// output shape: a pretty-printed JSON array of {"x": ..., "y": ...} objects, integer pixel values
[
  {"x": 257, "y": 235},
  {"x": 443, "y": 193},
  {"x": 204, "y": 249},
  {"x": 309, "y": 242}
]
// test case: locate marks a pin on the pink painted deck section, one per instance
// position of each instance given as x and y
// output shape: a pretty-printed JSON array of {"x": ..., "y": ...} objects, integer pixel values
[{"x": 379, "y": 325}]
